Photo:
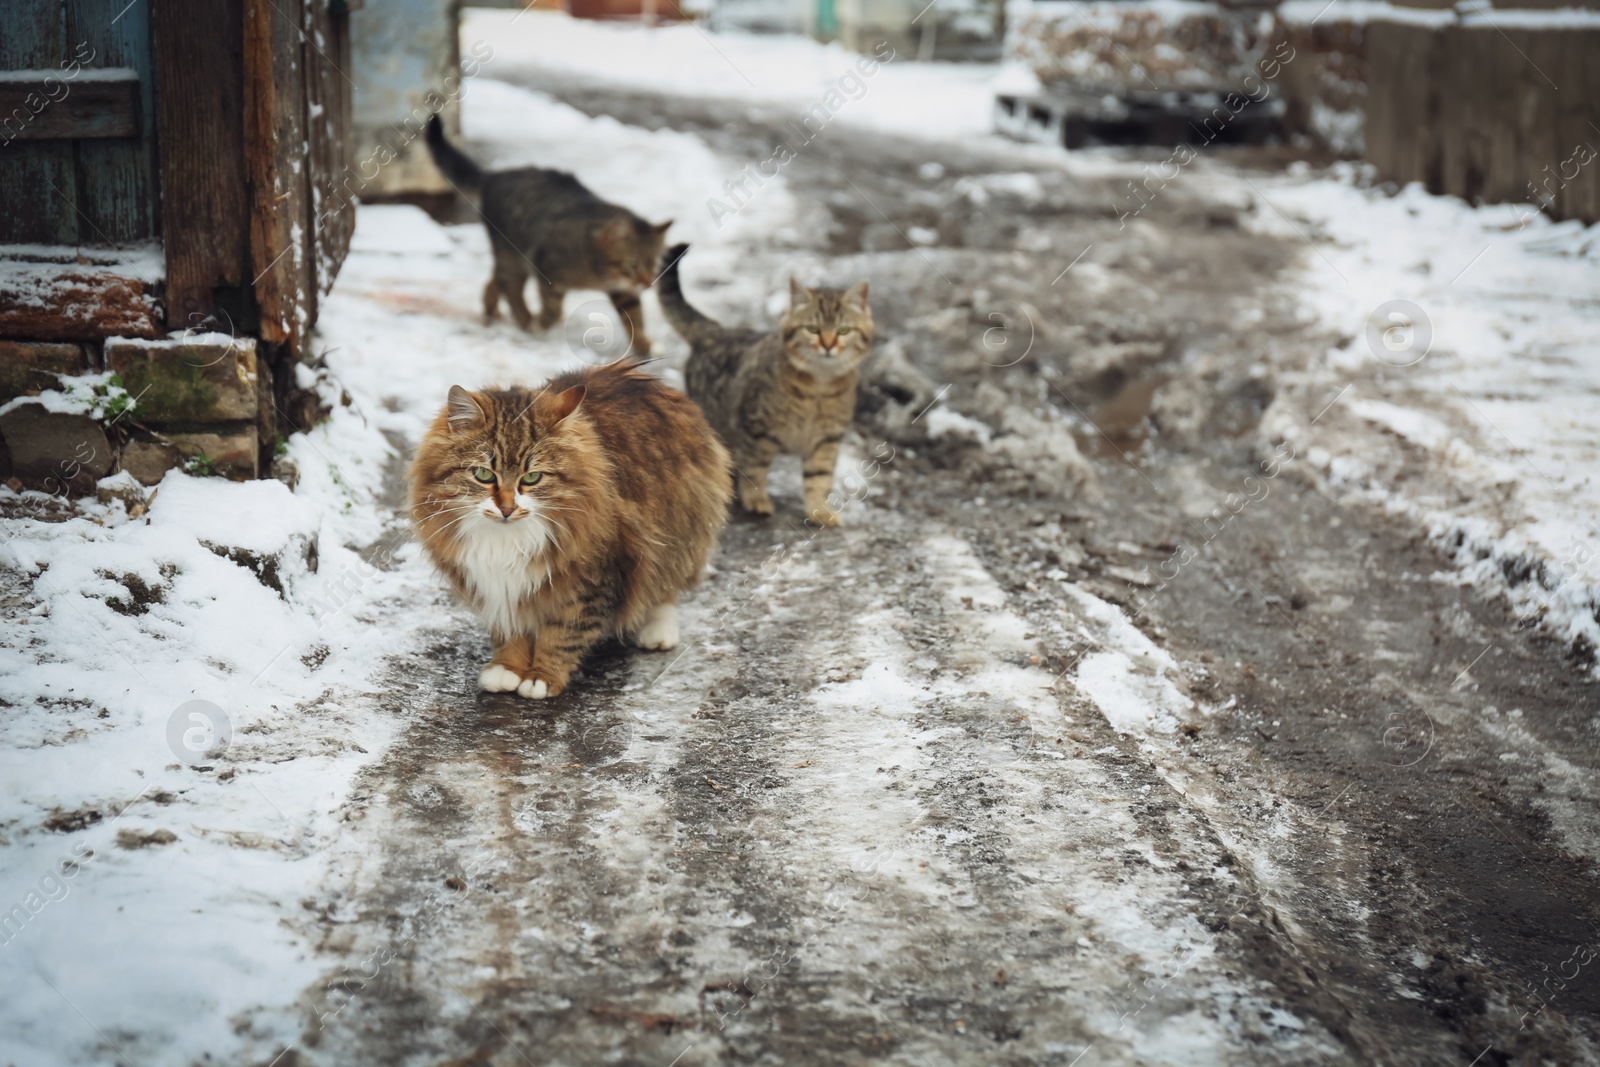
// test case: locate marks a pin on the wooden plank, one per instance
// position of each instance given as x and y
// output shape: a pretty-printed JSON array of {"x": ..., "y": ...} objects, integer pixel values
[
  {"x": 328, "y": 96},
  {"x": 37, "y": 178},
  {"x": 117, "y": 189},
  {"x": 1476, "y": 112},
  {"x": 84, "y": 107},
  {"x": 205, "y": 218},
  {"x": 75, "y": 304},
  {"x": 274, "y": 122}
]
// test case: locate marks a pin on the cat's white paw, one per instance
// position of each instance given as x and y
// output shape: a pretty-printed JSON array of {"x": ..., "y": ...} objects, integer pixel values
[
  {"x": 533, "y": 689},
  {"x": 660, "y": 630},
  {"x": 497, "y": 679}
]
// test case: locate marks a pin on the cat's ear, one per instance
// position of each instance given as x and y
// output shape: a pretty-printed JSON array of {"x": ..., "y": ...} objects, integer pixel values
[
  {"x": 856, "y": 295},
  {"x": 798, "y": 294},
  {"x": 465, "y": 410},
  {"x": 615, "y": 236},
  {"x": 662, "y": 229},
  {"x": 565, "y": 403}
]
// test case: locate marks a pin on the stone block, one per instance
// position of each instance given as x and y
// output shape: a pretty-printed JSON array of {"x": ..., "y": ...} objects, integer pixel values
[
  {"x": 28, "y": 367},
  {"x": 148, "y": 461},
  {"x": 208, "y": 377},
  {"x": 120, "y": 486},
  {"x": 55, "y": 452},
  {"x": 260, "y": 525},
  {"x": 235, "y": 454}
]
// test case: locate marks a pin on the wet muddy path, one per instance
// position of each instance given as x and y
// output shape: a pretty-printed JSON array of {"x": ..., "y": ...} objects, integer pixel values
[{"x": 1057, "y": 753}]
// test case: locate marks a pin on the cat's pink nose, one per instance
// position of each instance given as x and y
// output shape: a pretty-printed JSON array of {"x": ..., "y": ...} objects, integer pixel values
[{"x": 506, "y": 510}]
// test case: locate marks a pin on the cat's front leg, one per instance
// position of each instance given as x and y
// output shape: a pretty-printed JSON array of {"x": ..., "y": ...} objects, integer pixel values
[
  {"x": 559, "y": 648},
  {"x": 627, "y": 305},
  {"x": 508, "y": 667},
  {"x": 491, "y": 300},
  {"x": 550, "y": 299},
  {"x": 660, "y": 629},
  {"x": 751, "y": 467},
  {"x": 817, "y": 471}
]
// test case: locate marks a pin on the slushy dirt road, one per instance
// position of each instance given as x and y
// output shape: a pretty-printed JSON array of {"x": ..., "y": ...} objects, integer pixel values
[{"x": 1100, "y": 734}]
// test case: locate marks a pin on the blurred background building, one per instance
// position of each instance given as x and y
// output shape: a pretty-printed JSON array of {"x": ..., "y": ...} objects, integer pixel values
[{"x": 179, "y": 177}]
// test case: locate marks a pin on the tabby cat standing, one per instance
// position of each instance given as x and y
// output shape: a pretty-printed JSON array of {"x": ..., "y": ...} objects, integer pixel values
[
  {"x": 548, "y": 225},
  {"x": 789, "y": 390},
  {"x": 582, "y": 510}
]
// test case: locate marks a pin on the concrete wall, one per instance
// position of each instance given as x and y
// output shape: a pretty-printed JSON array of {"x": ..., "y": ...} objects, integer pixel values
[
  {"x": 1500, "y": 112},
  {"x": 402, "y": 50}
]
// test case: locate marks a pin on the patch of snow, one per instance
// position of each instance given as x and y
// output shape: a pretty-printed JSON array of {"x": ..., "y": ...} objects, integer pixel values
[
  {"x": 96, "y": 395},
  {"x": 909, "y": 99},
  {"x": 262, "y": 516},
  {"x": 398, "y": 230},
  {"x": 143, "y": 260},
  {"x": 1134, "y": 682},
  {"x": 1495, "y": 379},
  {"x": 943, "y": 421}
]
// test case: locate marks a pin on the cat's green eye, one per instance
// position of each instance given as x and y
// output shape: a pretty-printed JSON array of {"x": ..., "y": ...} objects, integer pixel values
[
  {"x": 532, "y": 478},
  {"x": 483, "y": 474},
  {"x": 843, "y": 330}
]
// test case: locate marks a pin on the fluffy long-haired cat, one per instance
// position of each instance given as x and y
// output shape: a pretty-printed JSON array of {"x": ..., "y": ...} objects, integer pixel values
[
  {"x": 791, "y": 390},
  {"x": 545, "y": 223},
  {"x": 569, "y": 514}
]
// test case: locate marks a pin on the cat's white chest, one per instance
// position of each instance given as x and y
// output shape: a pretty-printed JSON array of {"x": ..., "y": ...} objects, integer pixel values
[{"x": 503, "y": 564}]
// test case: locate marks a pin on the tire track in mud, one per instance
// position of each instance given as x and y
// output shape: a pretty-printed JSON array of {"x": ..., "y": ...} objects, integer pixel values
[
  {"x": 1403, "y": 888},
  {"x": 842, "y": 831},
  {"x": 821, "y": 835}
]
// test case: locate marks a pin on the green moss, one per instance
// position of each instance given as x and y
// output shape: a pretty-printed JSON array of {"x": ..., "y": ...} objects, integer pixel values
[{"x": 172, "y": 389}]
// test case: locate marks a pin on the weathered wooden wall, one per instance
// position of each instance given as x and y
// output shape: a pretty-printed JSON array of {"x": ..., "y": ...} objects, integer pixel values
[
  {"x": 81, "y": 168},
  {"x": 1478, "y": 111},
  {"x": 206, "y": 209},
  {"x": 296, "y": 132},
  {"x": 232, "y": 117}
]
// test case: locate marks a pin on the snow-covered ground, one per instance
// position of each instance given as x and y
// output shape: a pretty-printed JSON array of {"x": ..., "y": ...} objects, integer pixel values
[
  {"x": 123, "y": 842},
  {"x": 883, "y": 90},
  {"x": 1467, "y": 336},
  {"x": 98, "y": 686}
]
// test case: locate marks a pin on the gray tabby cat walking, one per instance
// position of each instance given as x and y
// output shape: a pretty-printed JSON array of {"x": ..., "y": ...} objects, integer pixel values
[
  {"x": 545, "y": 222},
  {"x": 793, "y": 390}
]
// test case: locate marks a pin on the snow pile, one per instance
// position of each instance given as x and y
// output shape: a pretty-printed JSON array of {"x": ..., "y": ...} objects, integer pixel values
[
  {"x": 910, "y": 99},
  {"x": 1464, "y": 335},
  {"x": 177, "y": 730}
]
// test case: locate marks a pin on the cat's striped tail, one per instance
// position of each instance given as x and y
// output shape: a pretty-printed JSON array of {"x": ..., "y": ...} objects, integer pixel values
[
  {"x": 691, "y": 325},
  {"x": 461, "y": 171}
]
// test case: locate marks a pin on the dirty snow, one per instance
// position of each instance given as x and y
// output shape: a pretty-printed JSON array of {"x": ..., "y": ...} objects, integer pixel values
[
  {"x": 116, "y": 624},
  {"x": 935, "y": 100},
  {"x": 1496, "y": 383}
]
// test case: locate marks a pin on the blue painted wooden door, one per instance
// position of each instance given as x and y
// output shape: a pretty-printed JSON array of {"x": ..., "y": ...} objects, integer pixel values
[{"x": 77, "y": 125}]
